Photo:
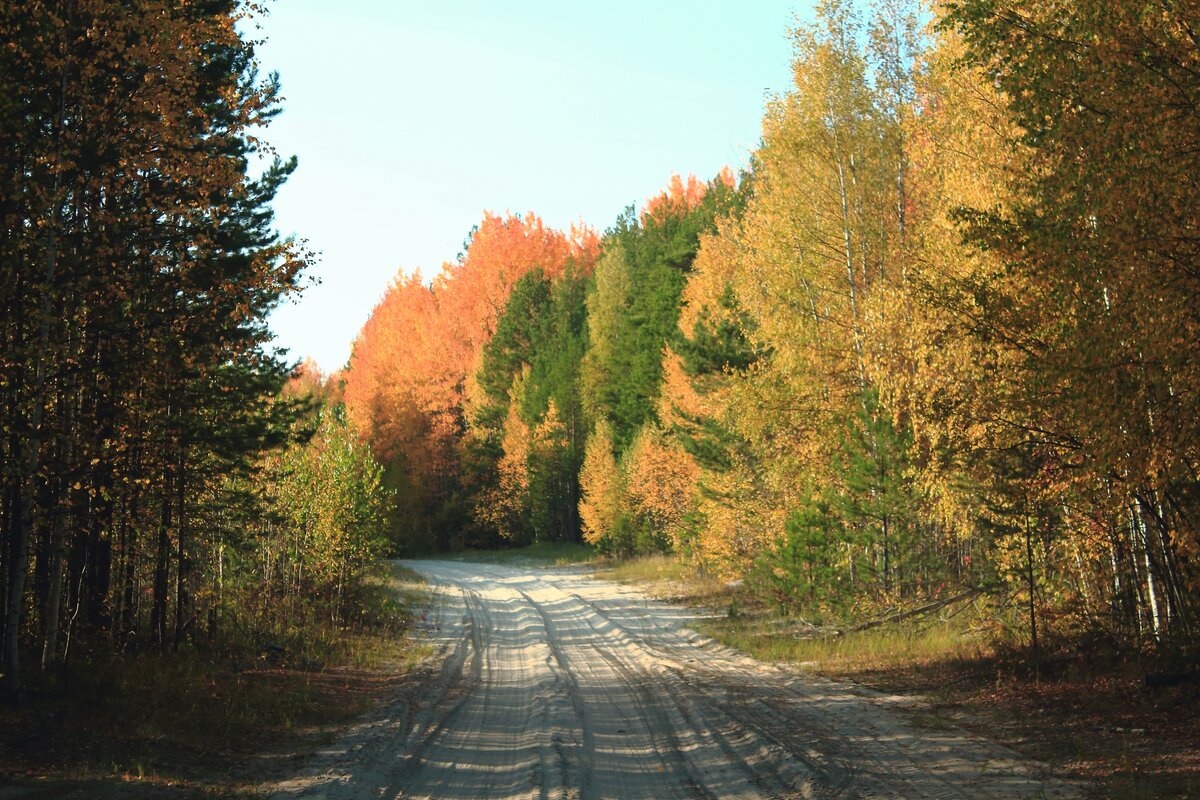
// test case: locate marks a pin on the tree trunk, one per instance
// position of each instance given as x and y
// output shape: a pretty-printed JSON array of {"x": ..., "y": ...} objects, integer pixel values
[
  {"x": 29, "y": 458},
  {"x": 1142, "y": 541},
  {"x": 52, "y": 603},
  {"x": 162, "y": 566},
  {"x": 182, "y": 569},
  {"x": 1033, "y": 631}
]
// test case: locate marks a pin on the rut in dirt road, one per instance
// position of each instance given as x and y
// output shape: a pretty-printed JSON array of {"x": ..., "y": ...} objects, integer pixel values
[{"x": 554, "y": 685}]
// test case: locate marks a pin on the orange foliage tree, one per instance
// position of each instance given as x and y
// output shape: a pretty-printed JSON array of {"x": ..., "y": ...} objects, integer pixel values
[
  {"x": 684, "y": 194},
  {"x": 414, "y": 360}
]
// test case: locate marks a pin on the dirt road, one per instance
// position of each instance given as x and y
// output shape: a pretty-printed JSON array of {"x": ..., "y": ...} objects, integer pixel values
[{"x": 554, "y": 685}]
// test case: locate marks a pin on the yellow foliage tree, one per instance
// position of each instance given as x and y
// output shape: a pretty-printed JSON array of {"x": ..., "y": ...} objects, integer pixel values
[
  {"x": 601, "y": 488},
  {"x": 819, "y": 238},
  {"x": 607, "y": 304},
  {"x": 660, "y": 482},
  {"x": 506, "y": 505}
]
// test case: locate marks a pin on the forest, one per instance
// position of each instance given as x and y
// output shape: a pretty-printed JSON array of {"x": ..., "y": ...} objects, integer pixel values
[
  {"x": 939, "y": 336},
  {"x": 168, "y": 478}
]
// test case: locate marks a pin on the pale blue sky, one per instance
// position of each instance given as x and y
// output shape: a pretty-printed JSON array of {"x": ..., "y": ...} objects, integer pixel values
[{"x": 409, "y": 119}]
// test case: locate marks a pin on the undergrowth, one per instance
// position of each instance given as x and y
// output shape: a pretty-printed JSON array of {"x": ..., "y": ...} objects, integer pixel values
[
  {"x": 557, "y": 553},
  {"x": 748, "y": 623},
  {"x": 648, "y": 569},
  {"x": 767, "y": 640},
  {"x": 251, "y": 684},
  {"x": 1081, "y": 707}
]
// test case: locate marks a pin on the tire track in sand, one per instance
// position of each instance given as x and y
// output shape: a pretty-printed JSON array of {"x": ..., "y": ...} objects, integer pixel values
[{"x": 553, "y": 685}]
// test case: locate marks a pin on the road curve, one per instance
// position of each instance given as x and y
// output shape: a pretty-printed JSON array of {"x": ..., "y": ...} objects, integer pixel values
[{"x": 553, "y": 685}]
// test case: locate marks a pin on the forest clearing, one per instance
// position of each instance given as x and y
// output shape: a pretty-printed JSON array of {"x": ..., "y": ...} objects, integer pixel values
[{"x": 908, "y": 399}]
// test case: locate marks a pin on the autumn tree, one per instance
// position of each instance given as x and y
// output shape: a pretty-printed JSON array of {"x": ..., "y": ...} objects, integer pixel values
[
  {"x": 601, "y": 491},
  {"x": 539, "y": 341},
  {"x": 411, "y": 385},
  {"x": 333, "y": 510},
  {"x": 775, "y": 356},
  {"x": 634, "y": 309},
  {"x": 1101, "y": 238},
  {"x": 505, "y": 505},
  {"x": 140, "y": 263},
  {"x": 660, "y": 485}
]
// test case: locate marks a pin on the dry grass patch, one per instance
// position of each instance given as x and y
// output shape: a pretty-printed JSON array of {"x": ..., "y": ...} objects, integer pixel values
[{"x": 1086, "y": 711}]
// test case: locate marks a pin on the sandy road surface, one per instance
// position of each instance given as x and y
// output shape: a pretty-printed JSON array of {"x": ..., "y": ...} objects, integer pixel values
[{"x": 554, "y": 685}]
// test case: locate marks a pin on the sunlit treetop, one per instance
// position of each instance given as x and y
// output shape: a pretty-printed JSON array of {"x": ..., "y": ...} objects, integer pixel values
[{"x": 682, "y": 195}]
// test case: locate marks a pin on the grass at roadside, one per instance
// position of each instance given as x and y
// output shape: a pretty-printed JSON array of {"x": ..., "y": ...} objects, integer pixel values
[
  {"x": 749, "y": 625},
  {"x": 656, "y": 570},
  {"x": 1086, "y": 713},
  {"x": 552, "y": 553},
  {"x": 769, "y": 638},
  {"x": 211, "y": 720}
]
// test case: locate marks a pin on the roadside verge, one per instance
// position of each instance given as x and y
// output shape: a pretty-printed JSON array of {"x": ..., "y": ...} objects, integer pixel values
[{"x": 1087, "y": 717}]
